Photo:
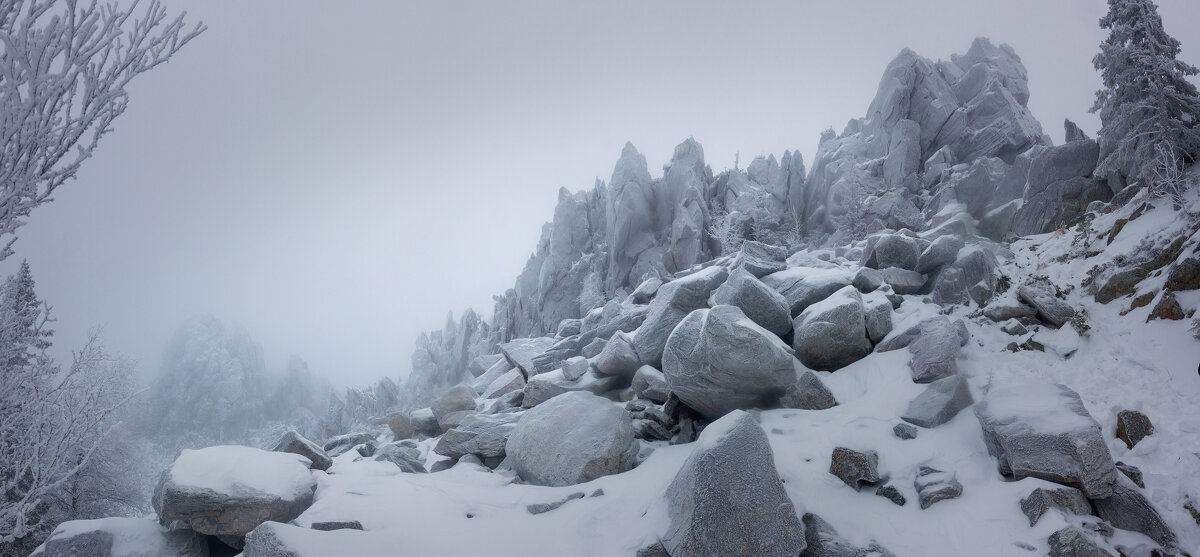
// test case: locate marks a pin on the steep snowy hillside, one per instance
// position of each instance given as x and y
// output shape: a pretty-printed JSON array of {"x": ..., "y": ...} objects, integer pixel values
[{"x": 949, "y": 338}]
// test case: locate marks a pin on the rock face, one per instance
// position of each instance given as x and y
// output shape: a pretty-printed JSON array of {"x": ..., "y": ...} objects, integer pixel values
[
  {"x": 294, "y": 443},
  {"x": 708, "y": 518},
  {"x": 832, "y": 334},
  {"x": 120, "y": 537},
  {"x": 759, "y": 302},
  {"x": 718, "y": 360},
  {"x": 572, "y": 438},
  {"x": 939, "y": 403},
  {"x": 229, "y": 490},
  {"x": 1043, "y": 431},
  {"x": 1058, "y": 186},
  {"x": 675, "y": 300}
]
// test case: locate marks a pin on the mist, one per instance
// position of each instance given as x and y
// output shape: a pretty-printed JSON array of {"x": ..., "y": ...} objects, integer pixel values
[{"x": 337, "y": 180}]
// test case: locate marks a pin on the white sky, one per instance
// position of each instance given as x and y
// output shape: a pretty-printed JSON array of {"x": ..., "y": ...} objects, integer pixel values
[{"x": 336, "y": 180}]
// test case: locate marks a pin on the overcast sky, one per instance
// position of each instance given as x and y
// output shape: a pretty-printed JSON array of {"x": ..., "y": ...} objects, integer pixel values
[{"x": 337, "y": 179}]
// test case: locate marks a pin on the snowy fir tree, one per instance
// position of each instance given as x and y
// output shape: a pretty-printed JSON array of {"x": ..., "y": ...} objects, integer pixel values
[{"x": 1147, "y": 105}]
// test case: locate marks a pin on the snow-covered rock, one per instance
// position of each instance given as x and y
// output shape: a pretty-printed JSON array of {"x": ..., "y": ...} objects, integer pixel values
[
  {"x": 229, "y": 490},
  {"x": 120, "y": 537},
  {"x": 759, "y": 302},
  {"x": 572, "y": 438},
  {"x": 1043, "y": 431},
  {"x": 756, "y": 519},
  {"x": 674, "y": 301},
  {"x": 294, "y": 443},
  {"x": 482, "y": 435},
  {"x": 832, "y": 334},
  {"x": 718, "y": 360},
  {"x": 939, "y": 402},
  {"x": 805, "y": 286}
]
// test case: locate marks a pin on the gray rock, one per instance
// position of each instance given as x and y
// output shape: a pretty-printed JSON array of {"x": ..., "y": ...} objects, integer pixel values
[
  {"x": 1133, "y": 473},
  {"x": 367, "y": 449},
  {"x": 972, "y": 276},
  {"x": 336, "y": 525},
  {"x": 892, "y": 494},
  {"x": 651, "y": 384},
  {"x": 481, "y": 434},
  {"x": 574, "y": 368},
  {"x": 760, "y": 259},
  {"x": 459, "y": 398},
  {"x": 807, "y": 393},
  {"x": 1072, "y": 131},
  {"x": 1043, "y": 431},
  {"x": 934, "y": 351},
  {"x": 1133, "y": 426},
  {"x": 294, "y": 443},
  {"x": 824, "y": 541},
  {"x": 485, "y": 379},
  {"x": 568, "y": 327},
  {"x": 539, "y": 508},
  {"x": 1050, "y": 309},
  {"x": 572, "y": 438},
  {"x": 546, "y": 386},
  {"x": 893, "y": 250},
  {"x": 619, "y": 358},
  {"x": 855, "y": 468},
  {"x": 593, "y": 348},
  {"x": 942, "y": 251},
  {"x": 424, "y": 421},
  {"x": 675, "y": 300},
  {"x": 481, "y": 364},
  {"x": 718, "y": 360},
  {"x": 877, "y": 314},
  {"x": 243, "y": 504},
  {"x": 934, "y": 485},
  {"x": 1004, "y": 311},
  {"x": 997, "y": 223},
  {"x": 1185, "y": 275},
  {"x": 805, "y": 286},
  {"x": 274, "y": 539},
  {"x": 759, "y": 302},
  {"x": 510, "y": 381},
  {"x": 756, "y": 519},
  {"x": 120, "y": 537},
  {"x": 1070, "y": 542},
  {"x": 1127, "y": 509},
  {"x": 650, "y": 430},
  {"x": 904, "y": 431},
  {"x": 342, "y": 443},
  {"x": 867, "y": 279},
  {"x": 1065, "y": 499},
  {"x": 520, "y": 352},
  {"x": 833, "y": 333},
  {"x": 1058, "y": 187},
  {"x": 1120, "y": 284},
  {"x": 903, "y": 281},
  {"x": 939, "y": 402},
  {"x": 646, "y": 290},
  {"x": 406, "y": 457}
]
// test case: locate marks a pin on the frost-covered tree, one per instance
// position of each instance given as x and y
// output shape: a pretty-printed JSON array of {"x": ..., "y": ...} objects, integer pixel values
[
  {"x": 52, "y": 420},
  {"x": 64, "y": 68},
  {"x": 1147, "y": 103}
]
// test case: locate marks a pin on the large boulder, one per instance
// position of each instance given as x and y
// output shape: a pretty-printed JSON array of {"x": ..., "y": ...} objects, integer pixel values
[
  {"x": 761, "y": 303},
  {"x": 1058, "y": 186},
  {"x": 971, "y": 276},
  {"x": 522, "y": 351},
  {"x": 1050, "y": 309},
  {"x": 823, "y": 540},
  {"x": 832, "y": 334},
  {"x": 807, "y": 393},
  {"x": 120, "y": 537},
  {"x": 404, "y": 454},
  {"x": 572, "y": 438},
  {"x": 483, "y": 435},
  {"x": 1127, "y": 509},
  {"x": 294, "y": 443},
  {"x": 805, "y": 286},
  {"x": 893, "y": 250},
  {"x": 717, "y": 360},
  {"x": 459, "y": 398},
  {"x": 760, "y": 259},
  {"x": 1043, "y": 431},
  {"x": 229, "y": 490},
  {"x": 618, "y": 358},
  {"x": 934, "y": 350},
  {"x": 728, "y": 500},
  {"x": 342, "y": 443},
  {"x": 274, "y": 539},
  {"x": 674, "y": 301},
  {"x": 651, "y": 384}
]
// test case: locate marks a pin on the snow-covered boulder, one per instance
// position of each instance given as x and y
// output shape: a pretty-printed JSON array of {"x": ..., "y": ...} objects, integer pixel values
[
  {"x": 1128, "y": 509},
  {"x": 274, "y": 539},
  {"x": 546, "y": 386},
  {"x": 823, "y": 540},
  {"x": 650, "y": 384},
  {"x": 483, "y": 435},
  {"x": 522, "y": 351},
  {"x": 832, "y": 334},
  {"x": 807, "y": 393},
  {"x": 229, "y": 490},
  {"x": 120, "y": 537},
  {"x": 675, "y": 300},
  {"x": 892, "y": 250},
  {"x": 942, "y": 251},
  {"x": 342, "y": 443},
  {"x": 294, "y": 443},
  {"x": 760, "y": 259},
  {"x": 761, "y": 303},
  {"x": 1050, "y": 309},
  {"x": 805, "y": 286},
  {"x": 572, "y": 438},
  {"x": 619, "y": 358},
  {"x": 755, "y": 519},
  {"x": 971, "y": 276},
  {"x": 718, "y": 360},
  {"x": 404, "y": 454},
  {"x": 1043, "y": 431},
  {"x": 939, "y": 402},
  {"x": 458, "y": 399},
  {"x": 934, "y": 350}
]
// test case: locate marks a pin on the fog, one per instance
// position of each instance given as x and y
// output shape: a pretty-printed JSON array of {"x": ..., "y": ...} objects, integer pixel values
[{"x": 336, "y": 180}]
